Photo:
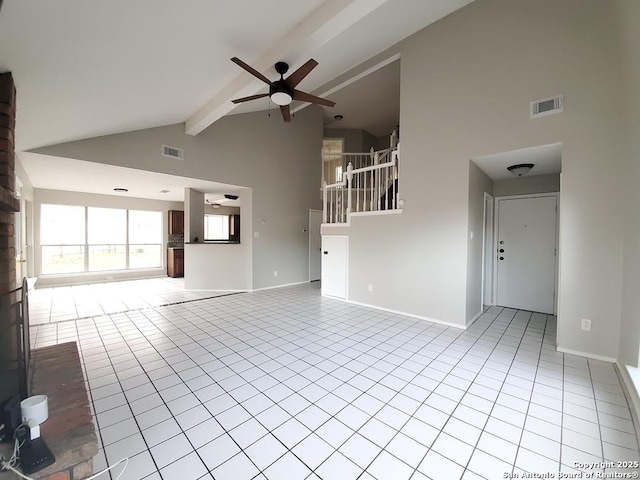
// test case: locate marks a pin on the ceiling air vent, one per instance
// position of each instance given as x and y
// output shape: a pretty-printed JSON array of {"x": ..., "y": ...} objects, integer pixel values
[
  {"x": 172, "y": 152},
  {"x": 546, "y": 106}
]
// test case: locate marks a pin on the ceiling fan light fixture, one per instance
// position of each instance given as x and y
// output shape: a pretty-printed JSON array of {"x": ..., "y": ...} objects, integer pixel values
[
  {"x": 520, "y": 169},
  {"x": 281, "y": 98}
]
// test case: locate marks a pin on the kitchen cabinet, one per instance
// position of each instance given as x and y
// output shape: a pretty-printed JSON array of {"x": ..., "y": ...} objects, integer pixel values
[
  {"x": 176, "y": 222},
  {"x": 175, "y": 262}
]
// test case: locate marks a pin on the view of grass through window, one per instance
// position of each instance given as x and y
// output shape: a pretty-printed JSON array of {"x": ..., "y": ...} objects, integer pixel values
[{"x": 89, "y": 239}]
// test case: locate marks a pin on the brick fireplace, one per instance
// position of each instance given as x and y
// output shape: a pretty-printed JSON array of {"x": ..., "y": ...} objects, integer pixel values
[{"x": 10, "y": 339}]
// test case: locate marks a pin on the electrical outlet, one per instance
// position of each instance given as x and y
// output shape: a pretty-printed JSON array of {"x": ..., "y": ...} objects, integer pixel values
[
  {"x": 586, "y": 324},
  {"x": 275, "y": 273},
  {"x": 371, "y": 287}
]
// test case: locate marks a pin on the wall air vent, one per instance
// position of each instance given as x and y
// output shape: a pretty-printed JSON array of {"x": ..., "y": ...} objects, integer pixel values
[
  {"x": 172, "y": 152},
  {"x": 546, "y": 106}
]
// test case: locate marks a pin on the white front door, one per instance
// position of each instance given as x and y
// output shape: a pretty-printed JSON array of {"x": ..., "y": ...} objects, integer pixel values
[
  {"x": 315, "y": 245},
  {"x": 334, "y": 265},
  {"x": 526, "y": 244}
]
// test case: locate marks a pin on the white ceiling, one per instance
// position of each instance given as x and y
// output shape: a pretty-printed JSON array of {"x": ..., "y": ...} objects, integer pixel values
[
  {"x": 90, "y": 177},
  {"x": 547, "y": 159},
  {"x": 89, "y": 68}
]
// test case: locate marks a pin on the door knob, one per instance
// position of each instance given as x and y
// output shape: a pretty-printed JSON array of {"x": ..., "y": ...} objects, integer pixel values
[{"x": 326, "y": 252}]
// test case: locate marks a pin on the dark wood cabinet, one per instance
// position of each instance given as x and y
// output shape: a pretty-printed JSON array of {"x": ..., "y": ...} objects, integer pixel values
[
  {"x": 175, "y": 262},
  {"x": 176, "y": 222}
]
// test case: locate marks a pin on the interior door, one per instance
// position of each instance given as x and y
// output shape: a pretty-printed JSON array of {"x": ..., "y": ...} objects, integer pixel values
[
  {"x": 526, "y": 242},
  {"x": 315, "y": 245},
  {"x": 334, "y": 265}
]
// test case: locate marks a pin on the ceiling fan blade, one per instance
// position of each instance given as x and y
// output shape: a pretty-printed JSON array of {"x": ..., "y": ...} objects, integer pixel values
[
  {"x": 307, "y": 97},
  {"x": 296, "y": 77},
  {"x": 251, "y": 70},
  {"x": 286, "y": 113},
  {"x": 252, "y": 97}
]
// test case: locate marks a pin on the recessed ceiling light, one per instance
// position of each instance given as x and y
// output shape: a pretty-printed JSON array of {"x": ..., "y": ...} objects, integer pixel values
[
  {"x": 165, "y": 191},
  {"x": 337, "y": 118},
  {"x": 120, "y": 189}
]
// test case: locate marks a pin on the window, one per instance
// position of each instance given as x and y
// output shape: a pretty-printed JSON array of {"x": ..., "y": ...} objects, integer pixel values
[
  {"x": 107, "y": 239},
  {"x": 62, "y": 236},
  {"x": 216, "y": 227},
  {"x": 89, "y": 239},
  {"x": 332, "y": 161},
  {"x": 145, "y": 239}
]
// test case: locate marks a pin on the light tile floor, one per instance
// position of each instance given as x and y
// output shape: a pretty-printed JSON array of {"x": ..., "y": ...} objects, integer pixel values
[
  {"x": 286, "y": 385},
  {"x": 57, "y": 304}
]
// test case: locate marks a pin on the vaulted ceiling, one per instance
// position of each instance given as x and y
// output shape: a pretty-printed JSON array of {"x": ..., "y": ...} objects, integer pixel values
[{"x": 89, "y": 68}]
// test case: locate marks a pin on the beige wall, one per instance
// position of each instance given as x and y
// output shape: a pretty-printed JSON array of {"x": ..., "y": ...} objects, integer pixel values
[
  {"x": 466, "y": 84},
  {"x": 279, "y": 161},
  {"x": 479, "y": 184},
  {"x": 527, "y": 185},
  {"x": 355, "y": 141},
  {"x": 629, "y": 15}
]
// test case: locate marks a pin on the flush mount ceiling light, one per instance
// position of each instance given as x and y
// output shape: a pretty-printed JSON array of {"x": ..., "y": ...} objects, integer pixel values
[
  {"x": 337, "y": 118},
  {"x": 520, "y": 169},
  {"x": 120, "y": 189}
]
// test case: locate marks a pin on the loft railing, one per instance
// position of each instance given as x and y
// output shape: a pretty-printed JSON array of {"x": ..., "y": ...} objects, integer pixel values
[
  {"x": 372, "y": 188},
  {"x": 335, "y": 164}
]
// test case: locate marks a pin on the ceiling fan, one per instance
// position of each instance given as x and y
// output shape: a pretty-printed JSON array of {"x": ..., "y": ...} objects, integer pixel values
[{"x": 283, "y": 91}]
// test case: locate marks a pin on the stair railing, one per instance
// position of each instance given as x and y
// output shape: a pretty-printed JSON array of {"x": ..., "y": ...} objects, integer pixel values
[{"x": 370, "y": 188}]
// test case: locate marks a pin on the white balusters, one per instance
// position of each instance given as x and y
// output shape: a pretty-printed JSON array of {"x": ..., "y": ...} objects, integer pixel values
[{"x": 376, "y": 186}]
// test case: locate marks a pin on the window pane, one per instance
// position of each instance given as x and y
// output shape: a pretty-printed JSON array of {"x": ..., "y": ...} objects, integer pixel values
[
  {"x": 63, "y": 259},
  {"x": 61, "y": 224},
  {"x": 216, "y": 227},
  {"x": 145, "y": 227},
  {"x": 107, "y": 226},
  {"x": 107, "y": 257},
  {"x": 145, "y": 256}
]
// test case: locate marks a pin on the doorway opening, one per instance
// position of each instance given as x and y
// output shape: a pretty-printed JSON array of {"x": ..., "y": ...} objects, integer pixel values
[{"x": 520, "y": 274}]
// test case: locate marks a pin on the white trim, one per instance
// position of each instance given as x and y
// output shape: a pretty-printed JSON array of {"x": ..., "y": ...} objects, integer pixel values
[
  {"x": 348, "y": 224},
  {"x": 488, "y": 242},
  {"x": 406, "y": 314},
  {"x": 395, "y": 211},
  {"x": 278, "y": 286},
  {"x": 227, "y": 290},
  {"x": 587, "y": 355},
  {"x": 631, "y": 383}
]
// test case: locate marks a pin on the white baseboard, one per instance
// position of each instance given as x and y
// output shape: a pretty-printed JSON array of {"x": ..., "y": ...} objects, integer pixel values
[
  {"x": 406, "y": 314},
  {"x": 587, "y": 355},
  {"x": 210, "y": 290},
  {"x": 476, "y": 316},
  {"x": 280, "y": 286},
  {"x": 631, "y": 380}
]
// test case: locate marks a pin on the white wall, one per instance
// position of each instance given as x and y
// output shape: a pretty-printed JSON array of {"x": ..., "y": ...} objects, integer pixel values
[
  {"x": 57, "y": 197},
  {"x": 279, "y": 161}
]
